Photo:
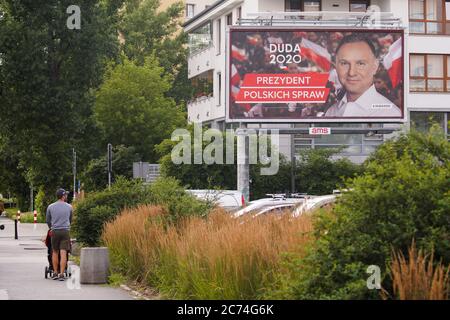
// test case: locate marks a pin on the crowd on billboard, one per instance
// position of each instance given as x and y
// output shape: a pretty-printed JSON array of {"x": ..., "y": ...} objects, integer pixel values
[{"x": 364, "y": 69}]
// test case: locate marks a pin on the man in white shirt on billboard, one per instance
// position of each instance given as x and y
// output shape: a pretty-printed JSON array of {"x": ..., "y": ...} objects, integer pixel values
[{"x": 356, "y": 66}]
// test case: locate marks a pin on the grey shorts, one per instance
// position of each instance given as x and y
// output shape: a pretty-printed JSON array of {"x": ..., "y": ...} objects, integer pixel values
[{"x": 60, "y": 240}]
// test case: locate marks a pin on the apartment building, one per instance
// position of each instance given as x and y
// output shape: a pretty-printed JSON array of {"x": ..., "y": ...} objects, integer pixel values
[
  {"x": 426, "y": 57},
  {"x": 191, "y": 8},
  {"x": 194, "y": 7}
]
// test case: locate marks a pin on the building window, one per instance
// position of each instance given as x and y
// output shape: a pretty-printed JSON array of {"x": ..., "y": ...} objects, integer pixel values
[
  {"x": 429, "y": 16},
  {"x": 230, "y": 19},
  {"x": 359, "y": 5},
  {"x": 349, "y": 144},
  {"x": 219, "y": 88},
  {"x": 190, "y": 10},
  {"x": 312, "y": 5},
  {"x": 429, "y": 73},
  {"x": 200, "y": 38},
  {"x": 202, "y": 85},
  {"x": 219, "y": 36},
  {"x": 422, "y": 121},
  {"x": 303, "y": 5}
]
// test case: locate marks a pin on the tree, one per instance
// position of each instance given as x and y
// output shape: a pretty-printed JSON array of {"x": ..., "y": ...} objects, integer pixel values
[
  {"x": 96, "y": 173},
  {"x": 318, "y": 173},
  {"x": 47, "y": 72},
  {"x": 146, "y": 31},
  {"x": 403, "y": 195},
  {"x": 131, "y": 108},
  {"x": 315, "y": 174}
]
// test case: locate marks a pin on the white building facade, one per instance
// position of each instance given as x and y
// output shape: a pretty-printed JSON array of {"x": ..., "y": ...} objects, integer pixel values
[{"x": 426, "y": 58}]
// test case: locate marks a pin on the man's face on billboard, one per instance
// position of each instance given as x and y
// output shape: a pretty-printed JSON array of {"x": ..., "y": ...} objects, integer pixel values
[{"x": 356, "y": 66}]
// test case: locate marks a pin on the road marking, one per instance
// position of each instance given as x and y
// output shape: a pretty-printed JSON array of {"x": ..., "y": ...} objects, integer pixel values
[{"x": 4, "y": 294}]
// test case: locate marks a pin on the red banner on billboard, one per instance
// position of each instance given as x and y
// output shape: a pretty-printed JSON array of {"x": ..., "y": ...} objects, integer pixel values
[
  {"x": 282, "y": 95},
  {"x": 286, "y": 80},
  {"x": 284, "y": 88}
]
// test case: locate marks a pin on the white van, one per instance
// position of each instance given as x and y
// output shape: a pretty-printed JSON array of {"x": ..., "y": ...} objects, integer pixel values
[{"x": 230, "y": 200}]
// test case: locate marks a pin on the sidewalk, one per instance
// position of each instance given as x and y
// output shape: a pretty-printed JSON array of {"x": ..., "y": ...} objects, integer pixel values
[{"x": 22, "y": 264}]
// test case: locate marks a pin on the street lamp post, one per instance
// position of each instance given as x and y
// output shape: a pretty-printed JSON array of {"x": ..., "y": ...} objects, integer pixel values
[
  {"x": 74, "y": 167},
  {"x": 109, "y": 164}
]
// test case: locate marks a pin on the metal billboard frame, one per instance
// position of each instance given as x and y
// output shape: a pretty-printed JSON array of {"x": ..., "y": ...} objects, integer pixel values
[{"x": 390, "y": 120}]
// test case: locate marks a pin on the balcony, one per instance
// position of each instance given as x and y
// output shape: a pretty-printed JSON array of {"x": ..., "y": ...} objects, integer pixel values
[
  {"x": 372, "y": 19},
  {"x": 201, "y": 61},
  {"x": 201, "y": 109}
]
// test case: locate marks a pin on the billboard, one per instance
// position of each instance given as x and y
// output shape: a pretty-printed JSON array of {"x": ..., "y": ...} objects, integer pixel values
[{"x": 321, "y": 75}]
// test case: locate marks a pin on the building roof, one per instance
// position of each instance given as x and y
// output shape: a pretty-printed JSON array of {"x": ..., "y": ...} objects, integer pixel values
[{"x": 202, "y": 13}]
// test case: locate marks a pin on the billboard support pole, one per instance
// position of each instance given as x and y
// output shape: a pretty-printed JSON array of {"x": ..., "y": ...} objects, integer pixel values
[
  {"x": 293, "y": 163},
  {"x": 243, "y": 167}
]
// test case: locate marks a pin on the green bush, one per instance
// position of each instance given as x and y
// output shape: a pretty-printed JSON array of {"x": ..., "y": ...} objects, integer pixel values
[
  {"x": 403, "y": 195},
  {"x": 94, "y": 176},
  {"x": 97, "y": 208},
  {"x": 318, "y": 173},
  {"x": 40, "y": 202},
  {"x": 100, "y": 207},
  {"x": 28, "y": 217},
  {"x": 25, "y": 217},
  {"x": 11, "y": 212},
  {"x": 169, "y": 193}
]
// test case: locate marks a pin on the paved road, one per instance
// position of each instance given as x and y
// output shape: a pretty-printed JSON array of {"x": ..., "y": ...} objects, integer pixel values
[{"x": 22, "y": 264}]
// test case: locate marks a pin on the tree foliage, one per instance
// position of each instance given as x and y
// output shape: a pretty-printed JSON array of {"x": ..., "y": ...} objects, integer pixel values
[
  {"x": 147, "y": 31},
  {"x": 403, "y": 195},
  {"x": 132, "y": 109},
  {"x": 95, "y": 176},
  {"x": 46, "y": 75},
  {"x": 316, "y": 172}
]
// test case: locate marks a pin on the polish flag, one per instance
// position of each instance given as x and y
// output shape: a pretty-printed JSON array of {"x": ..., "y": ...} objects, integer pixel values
[
  {"x": 234, "y": 93},
  {"x": 300, "y": 34},
  {"x": 386, "y": 41},
  {"x": 238, "y": 54},
  {"x": 393, "y": 62},
  {"x": 317, "y": 54},
  {"x": 253, "y": 40},
  {"x": 235, "y": 77}
]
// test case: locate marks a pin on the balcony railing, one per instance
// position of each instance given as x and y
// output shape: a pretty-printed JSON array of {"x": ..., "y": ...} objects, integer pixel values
[{"x": 324, "y": 18}]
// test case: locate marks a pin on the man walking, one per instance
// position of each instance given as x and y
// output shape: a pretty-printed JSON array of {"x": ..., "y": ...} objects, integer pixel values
[{"x": 59, "y": 218}]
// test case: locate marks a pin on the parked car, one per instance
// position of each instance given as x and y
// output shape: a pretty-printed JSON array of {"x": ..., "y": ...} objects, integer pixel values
[
  {"x": 313, "y": 203},
  {"x": 230, "y": 200},
  {"x": 276, "y": 204}
]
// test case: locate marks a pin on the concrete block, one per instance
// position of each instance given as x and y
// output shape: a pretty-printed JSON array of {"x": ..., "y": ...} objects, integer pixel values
[{"x": 94, "y": 265}]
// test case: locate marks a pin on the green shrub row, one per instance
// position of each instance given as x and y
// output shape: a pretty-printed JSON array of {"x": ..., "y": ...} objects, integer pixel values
[
  {"x": 91, "y": 213},
  {"x": 404, "y": 194}
]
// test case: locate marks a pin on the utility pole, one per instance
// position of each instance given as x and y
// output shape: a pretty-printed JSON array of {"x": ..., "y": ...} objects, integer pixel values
[
  {"x": 243, "y": 166},
  {"x": 293, "y": 162},
  {"x": 109, "y": 164},
  {"x": 31, "y": 198},
  {"x": 74, "y": 168}
]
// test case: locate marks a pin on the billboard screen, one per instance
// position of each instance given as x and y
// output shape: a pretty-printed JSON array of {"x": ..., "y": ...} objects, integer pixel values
[{"x": 304, "y": 75}]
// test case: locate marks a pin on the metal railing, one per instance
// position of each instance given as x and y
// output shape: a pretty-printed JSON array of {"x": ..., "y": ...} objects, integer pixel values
[{"x": 324, "y": 18}]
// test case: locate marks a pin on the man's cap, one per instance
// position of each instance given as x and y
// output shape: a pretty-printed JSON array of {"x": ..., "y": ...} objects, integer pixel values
[{"x": 61, "y": 192}]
